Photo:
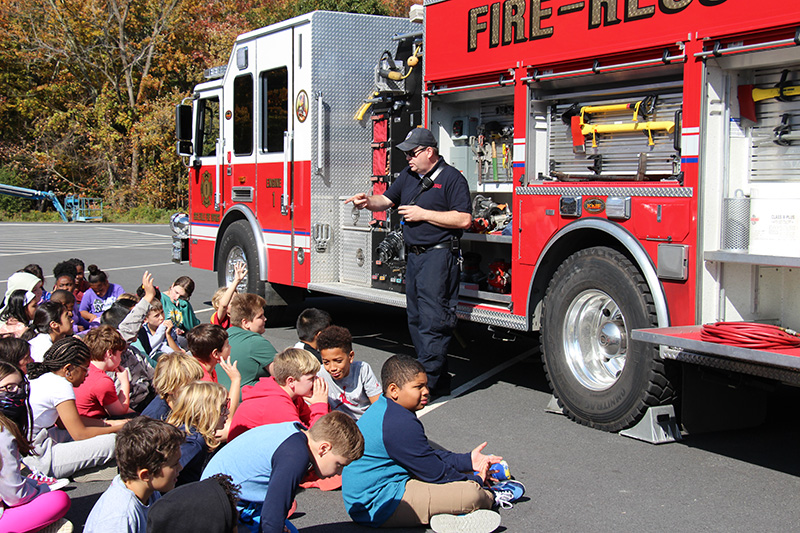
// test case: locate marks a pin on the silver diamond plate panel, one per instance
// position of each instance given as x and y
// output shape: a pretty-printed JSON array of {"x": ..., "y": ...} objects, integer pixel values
[
  {"x": 355, "y": 264},
  {"x": 713, "y": 361},
  {"x": 325, "y": 265},
  {"x": 345, "y": 48},
  {"x": 652, "y": 192},
  {"x": 493, "y": 318},
  {"x": 350, "y": 217}
]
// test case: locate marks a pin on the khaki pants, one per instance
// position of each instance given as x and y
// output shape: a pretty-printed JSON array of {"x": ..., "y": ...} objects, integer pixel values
[{"x": 423, "y": 500}]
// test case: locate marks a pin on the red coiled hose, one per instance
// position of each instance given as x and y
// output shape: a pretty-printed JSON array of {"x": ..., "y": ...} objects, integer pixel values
[{"x": 750, "y": 335}]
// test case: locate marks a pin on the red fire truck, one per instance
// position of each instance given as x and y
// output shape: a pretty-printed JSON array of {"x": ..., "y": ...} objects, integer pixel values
[{"x": 635, "y": 168}]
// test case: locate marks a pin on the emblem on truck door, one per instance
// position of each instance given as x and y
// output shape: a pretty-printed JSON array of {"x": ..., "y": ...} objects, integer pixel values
[
  {"x": 206, "y": 189},
  {"x": 301, "y": 106}
]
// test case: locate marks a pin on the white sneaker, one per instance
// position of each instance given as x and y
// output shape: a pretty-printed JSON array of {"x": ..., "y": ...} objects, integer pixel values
[
  {"x": 62, "y": 526},
  {"x": 52, "y": 482},
  {"x": 479, "y": 521}
]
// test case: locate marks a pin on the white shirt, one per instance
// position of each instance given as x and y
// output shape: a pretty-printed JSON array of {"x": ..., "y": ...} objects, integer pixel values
[
  {"x": 39, "y": 345},
  {"x": 351, "y": 393},
  {"x": 47, "y": 392}
]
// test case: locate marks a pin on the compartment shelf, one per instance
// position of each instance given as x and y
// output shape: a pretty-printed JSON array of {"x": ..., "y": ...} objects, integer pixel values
[
  {"x": 751, "y": 259},
  {"x": 465, "y": 291}
]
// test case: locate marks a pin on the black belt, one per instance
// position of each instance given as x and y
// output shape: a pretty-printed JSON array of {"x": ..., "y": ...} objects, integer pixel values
[{"x": 419, "y": 249}]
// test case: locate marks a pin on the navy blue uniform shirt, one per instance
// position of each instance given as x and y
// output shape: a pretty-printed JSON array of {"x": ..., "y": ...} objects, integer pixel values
[{"x": 450, "y": 192}]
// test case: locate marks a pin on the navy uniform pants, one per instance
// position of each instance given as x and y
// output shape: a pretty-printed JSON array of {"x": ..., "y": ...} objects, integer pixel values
[{"x": 431, "y": 297}]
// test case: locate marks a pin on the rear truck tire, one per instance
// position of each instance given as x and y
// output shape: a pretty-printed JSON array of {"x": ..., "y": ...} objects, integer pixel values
[
  {"x": 600, "y": 376},
  {"x": 239, "y": 244}
]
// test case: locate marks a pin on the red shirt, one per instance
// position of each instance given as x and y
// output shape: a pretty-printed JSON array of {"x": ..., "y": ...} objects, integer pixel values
[
  {"x": 209, "y": 376},
  {"x": 95, "y": 393},
  {"x": 226, "y": 323}
]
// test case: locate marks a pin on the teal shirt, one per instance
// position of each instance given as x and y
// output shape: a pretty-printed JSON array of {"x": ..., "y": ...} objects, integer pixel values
[
  {"x": 182, "y": 314},
  {"x": 253, "y": 353}
]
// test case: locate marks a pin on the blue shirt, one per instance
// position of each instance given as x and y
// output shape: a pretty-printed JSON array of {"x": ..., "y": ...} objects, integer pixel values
[
  {"x": 119, "y": 510},
  {"x": 395, "y": 450},
  {"x": 450, "y": 192},
  {"x": 268, "y": 462}
]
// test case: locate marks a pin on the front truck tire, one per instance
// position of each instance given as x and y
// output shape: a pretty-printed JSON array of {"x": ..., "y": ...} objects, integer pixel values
[
  {"x": 600, "y": 376},
  {"x": 239, "y": 244}
]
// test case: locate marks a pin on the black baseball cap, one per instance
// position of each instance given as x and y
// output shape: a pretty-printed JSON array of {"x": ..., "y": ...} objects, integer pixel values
[{"x": 417, "y": 137}]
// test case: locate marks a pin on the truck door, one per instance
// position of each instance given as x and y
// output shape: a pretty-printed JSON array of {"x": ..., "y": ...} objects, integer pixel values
[
  {"x": 275, "y": 154},
  {"x": 206, "y": 182}
]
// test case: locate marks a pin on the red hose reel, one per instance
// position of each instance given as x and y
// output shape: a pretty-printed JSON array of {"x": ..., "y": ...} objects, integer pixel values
[{"x": 750, "y": 335}]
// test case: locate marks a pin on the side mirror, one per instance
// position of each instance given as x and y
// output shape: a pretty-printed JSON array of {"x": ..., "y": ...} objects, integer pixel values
[
  {"x": 185, "y": 148},
  {"x": 183, "y": 122}
]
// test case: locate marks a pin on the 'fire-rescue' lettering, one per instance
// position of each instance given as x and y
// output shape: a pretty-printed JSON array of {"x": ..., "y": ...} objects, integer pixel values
[{"x": 507, "y": 19}]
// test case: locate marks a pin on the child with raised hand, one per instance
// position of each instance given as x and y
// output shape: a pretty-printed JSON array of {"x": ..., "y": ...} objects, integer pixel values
[
  {"x": 352, "y": 386},
  {"x": 97, "y": 396},
  {"x": 25, "y": 505},
  {"x": 173, "y": 372},
  {"x": 17, "y": 352},
  {"x": 85, "y": 442},
  {"x": 401, "y": 481},
  {"x": 148, "y": 456},
  {"x": 269, "y": 461},
  {"x": 222, "y": 298},
  {"x": 282, "y": 397},
  {"x": 309, "y": 323},
  {"x": 100, "y": 295},
  {"x": 18, "y": 313},
  {"x": 177, "y": 307},
  {"x": 249, "y": 348},
  {"x": 51, "y": 322},
  {"x": 200, "y": 411}
]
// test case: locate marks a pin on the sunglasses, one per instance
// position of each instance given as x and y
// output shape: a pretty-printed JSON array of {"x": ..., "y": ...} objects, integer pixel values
[{"x": 415, "y": 152}]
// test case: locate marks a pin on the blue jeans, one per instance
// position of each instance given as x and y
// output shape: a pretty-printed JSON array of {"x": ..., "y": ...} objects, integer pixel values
[{"x": 431, "y": 298}]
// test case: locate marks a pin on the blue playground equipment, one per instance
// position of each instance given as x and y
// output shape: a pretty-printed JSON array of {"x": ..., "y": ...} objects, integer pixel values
[{"x": 81, "y": 209}]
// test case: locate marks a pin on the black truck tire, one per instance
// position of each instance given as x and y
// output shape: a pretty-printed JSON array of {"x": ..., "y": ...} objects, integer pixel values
[
  {"x": 239, "y": 244},
  {"x": 600, "y": 376}
]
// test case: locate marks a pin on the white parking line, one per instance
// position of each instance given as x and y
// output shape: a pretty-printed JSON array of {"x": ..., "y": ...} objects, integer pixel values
[
  {"x": 458, "y": 391},
  {"x": 137, "y": 232},
  {"x": 139, "y": 266},
  {"x": 85, "y": 249}
]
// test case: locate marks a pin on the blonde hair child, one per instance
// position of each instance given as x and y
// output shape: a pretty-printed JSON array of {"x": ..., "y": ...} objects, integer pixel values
[{"x": 200, "y": 410}]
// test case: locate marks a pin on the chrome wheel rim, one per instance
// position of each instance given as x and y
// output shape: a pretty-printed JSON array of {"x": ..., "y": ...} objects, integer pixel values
[
  {"x": 236, "y": 255},
  {"x": 595, "y": 340}
]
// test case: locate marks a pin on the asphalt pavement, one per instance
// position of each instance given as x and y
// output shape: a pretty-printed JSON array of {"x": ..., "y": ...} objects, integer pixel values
[{"x": 577, "y": 479}]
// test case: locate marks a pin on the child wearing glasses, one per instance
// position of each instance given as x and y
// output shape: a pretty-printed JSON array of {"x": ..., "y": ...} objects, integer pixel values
[
  {"x": 25, "y": 505},
  {"x": 83, "y": 444}
]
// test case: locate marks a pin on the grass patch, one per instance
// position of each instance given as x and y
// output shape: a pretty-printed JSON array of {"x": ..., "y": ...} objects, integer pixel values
[{"x": 137, "y": 215}]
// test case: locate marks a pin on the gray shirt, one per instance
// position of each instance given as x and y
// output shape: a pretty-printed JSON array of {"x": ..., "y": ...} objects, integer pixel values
[
  {"x": 350, "y": 394},
  {"x": 119, "y": 510}
]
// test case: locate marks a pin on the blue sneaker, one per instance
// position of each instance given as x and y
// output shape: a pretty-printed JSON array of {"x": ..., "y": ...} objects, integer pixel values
[
  {"x": 500, "y": 471},
  {"x": 507, "y": 492}
]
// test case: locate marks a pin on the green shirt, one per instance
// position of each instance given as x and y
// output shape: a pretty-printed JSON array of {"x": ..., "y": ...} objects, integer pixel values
[
  {"x": 253, "y": 353},
  {"x": 181, "y": 314}
]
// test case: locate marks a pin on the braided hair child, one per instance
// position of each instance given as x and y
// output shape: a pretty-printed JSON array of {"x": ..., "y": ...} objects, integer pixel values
[{"x": 85, "y": 442}]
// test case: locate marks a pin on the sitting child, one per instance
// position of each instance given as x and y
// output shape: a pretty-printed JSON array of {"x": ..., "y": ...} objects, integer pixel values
[
  {"x": 65, "y": 274},
  {"x": 173, "y": 372},
  {"x": 352, "y": 386},
  {"x": 51, "y": 322},
  {"x": 200, "y": 411},
  {"x": 282, "y": 398},
  {"x": 16, "y": 351},
  {"x": 148, "y": 456},
  {"x": 176, "y": 304},
  {"x": 268, "y": 462},
  {"x": 221, "y": 300},
  {"x": 401, "y": 481},
  {"x": 249, "y": 348},
  {"x": 18, "y": 313},
  {"x": 97, "y": 397},
  {"x": 157, "y": 336},
  {"x": 26, "y": 505},
  {"x": 310, "y": 322},
  {"x": 178, "y": 512},
  {"x": 100, "y": 296},
  {"x": 67, "y": 299}
]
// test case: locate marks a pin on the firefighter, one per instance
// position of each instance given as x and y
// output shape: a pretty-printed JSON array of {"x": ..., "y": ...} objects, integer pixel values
[{"x": 434, "y": 201}]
